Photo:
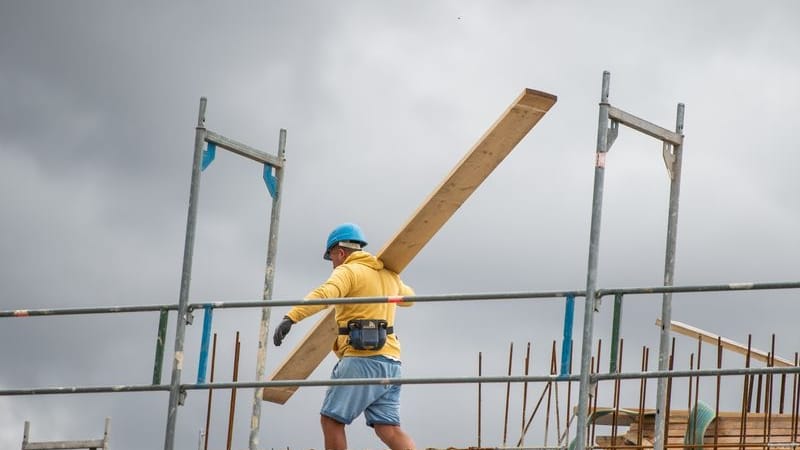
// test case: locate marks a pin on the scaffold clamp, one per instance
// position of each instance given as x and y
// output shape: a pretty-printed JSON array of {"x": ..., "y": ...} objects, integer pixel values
[
  {"x": 270, "y": 180},
  {"x": 208, "y": 155}
]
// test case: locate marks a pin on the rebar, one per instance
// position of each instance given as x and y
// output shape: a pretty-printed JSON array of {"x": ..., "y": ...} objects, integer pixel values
[
  {"x": 508, "y": 394},
  {"x": 549, "y": 393},
  {"x": 525, "y": 393},
  {"x": 480, "y": 373},
  {"x": 717, "y": 393},
  {"x": 210, "y": 391},
  {"x": 233, "y": 391}
]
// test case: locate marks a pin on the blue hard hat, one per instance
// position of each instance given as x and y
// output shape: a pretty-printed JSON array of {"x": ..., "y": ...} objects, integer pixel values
[{"x": 346, "y": 232}]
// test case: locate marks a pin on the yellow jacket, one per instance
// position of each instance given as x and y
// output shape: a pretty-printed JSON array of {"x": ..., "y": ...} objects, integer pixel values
[{"x": 361, "y": 275}]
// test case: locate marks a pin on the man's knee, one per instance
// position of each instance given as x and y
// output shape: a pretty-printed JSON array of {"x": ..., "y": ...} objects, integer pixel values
[
  {"x": 391, "y": 433},
  {"x": 394, "y": 437},
  {"x": 329, "y": 422}
]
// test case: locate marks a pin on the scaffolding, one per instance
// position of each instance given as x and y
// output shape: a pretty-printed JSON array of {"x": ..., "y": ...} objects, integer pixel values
[{"x": 588, "y": 377}]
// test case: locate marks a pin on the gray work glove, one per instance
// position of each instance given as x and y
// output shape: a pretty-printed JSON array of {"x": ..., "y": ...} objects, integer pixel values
[{"x": 282, "y": 330}]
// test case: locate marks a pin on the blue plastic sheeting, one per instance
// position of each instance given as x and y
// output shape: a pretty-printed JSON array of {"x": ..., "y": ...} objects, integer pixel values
[
  {"x": 203, "y": 364},
  {"x": 208, "y": 155},
  {"x": 566, "y": 345},
  {"x": 270, "y": 180}
]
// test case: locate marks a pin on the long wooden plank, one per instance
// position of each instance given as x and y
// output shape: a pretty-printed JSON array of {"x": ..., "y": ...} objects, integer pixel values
[
  {"x": 710, "y": 338},
  {"x": 460, "y": 183},
  {"x": 465, "y": 178}
]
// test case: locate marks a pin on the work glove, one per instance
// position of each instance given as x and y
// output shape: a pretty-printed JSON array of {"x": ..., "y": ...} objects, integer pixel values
[{"x": 282, "y": 330}]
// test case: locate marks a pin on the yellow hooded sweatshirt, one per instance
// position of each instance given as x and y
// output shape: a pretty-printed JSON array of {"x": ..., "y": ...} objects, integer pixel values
[{"x": 361, "y": 275}]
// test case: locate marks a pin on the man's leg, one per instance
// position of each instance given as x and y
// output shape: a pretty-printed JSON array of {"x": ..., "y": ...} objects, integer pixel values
[
  {"x": 333, "y": 431},
  {"x": 394, "y": 437}
]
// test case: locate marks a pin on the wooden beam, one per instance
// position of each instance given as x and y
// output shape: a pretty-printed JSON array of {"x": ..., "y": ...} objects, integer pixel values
[
  {"x": 710, "y": 338},
  {"x": 463, "y": 180},
  {"x": 308, "y": 354}
]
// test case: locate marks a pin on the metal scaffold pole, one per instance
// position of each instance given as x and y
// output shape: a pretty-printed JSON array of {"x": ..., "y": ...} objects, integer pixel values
[
  {"x": 186, "y": 276},
  {"x": 673, "y": 161},
  {"x": 202, "y": 160},
  {"x": 672, "y": 142},
  {"x": 269, "y": 277},
  {"x": 591, "y": 277}
]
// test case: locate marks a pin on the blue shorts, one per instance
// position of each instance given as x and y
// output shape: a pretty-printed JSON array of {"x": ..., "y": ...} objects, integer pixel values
[{"x": 380, "y": 403}]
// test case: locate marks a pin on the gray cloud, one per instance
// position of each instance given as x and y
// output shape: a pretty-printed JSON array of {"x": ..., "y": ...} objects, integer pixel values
[{"x": 380, "y": 101}]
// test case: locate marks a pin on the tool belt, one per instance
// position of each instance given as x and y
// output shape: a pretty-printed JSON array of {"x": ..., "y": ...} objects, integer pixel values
[{"x": 367, "y": 334}]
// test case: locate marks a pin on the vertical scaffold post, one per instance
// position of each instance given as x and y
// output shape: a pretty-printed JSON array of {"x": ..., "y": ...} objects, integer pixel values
[
  {"x": 186, "y": 276},
  {"x": 269, "y": 277},
  {"x": 160, "y": 341},
  {"x": 612, "y": 364},
  {"x": 669, "y": 273},
  {"x": 591, "y": 275}
]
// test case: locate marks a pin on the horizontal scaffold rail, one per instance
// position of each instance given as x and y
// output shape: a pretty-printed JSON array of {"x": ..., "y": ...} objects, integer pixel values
[
  {"x": 277, "y": 303},
  {"x": 242, "y": 149},
  {"x": 418, "y": 299},
  {"x": 399, "y": 381},
  {"x": 701, "y": 288},
  {"x": 644, "y": 126}
]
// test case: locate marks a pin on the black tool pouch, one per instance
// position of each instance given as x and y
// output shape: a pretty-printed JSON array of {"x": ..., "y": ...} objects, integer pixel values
[{"x": 367, "y": 334}]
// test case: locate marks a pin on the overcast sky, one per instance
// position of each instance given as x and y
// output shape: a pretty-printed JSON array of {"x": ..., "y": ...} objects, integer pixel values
[{"x": 380, "y": 100}]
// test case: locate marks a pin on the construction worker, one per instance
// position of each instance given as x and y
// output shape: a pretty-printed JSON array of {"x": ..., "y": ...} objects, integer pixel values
[{"x": 367, "y": 345}]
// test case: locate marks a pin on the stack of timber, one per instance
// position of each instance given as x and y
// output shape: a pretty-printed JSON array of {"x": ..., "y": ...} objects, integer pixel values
[{"x": 729, "y": 429}]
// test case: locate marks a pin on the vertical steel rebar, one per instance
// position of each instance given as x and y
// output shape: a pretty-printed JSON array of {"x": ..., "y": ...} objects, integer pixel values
[
  {"x": 595, "y": 369},
  {"x": 768, "y": 406},
  {"x": 669, "y": 395},
  {"x": 480, "y": 373},
  {"x": 697, "y": 381},
  {"x": 525, "y": 391},
  {"x": 508, "y": 394},
  {"x": 549, "y": 393},
  {"x": 743, "y": 415},
  {"x": 546, "y": 389},
  {"x": 795, "y": 400},
  {"x": 617, "y": 389},
  {"x": 691, "y": 367},
  {"x": 186, "y": 276},
  {"x": 782, "y": 394},
  {"x": 751, "y": 379},
  {"x": 269, "y": 278},
  {"x": 669, "y": 275},
  {"x": 591, "y": 273},
  {"x": 555, "y": 384},
  {"x": 569, "y": 394},
  {"x": 210, "y": 391},
  {"x": 233, "y": 392},
  {"x": 642, "y": 390},
  {"x": 717, "y": 393}
]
